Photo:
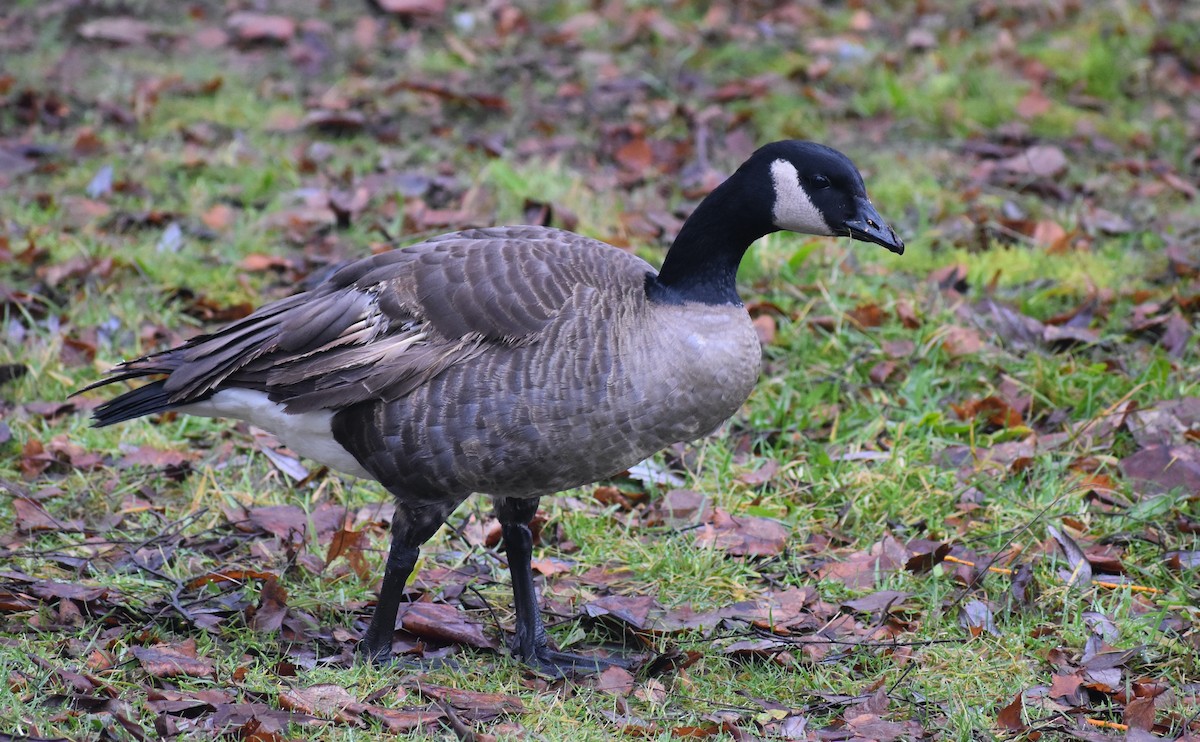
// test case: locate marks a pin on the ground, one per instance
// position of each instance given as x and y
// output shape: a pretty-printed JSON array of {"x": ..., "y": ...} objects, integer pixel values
[{"x": 961, "y": 503}]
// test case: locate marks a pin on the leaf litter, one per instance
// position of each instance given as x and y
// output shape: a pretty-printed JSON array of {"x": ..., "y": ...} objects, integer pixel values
[{"x": 1134, "y": 461}]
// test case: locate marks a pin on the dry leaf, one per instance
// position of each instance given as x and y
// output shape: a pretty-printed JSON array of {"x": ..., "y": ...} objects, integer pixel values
[{"x": 164, "y": 661}]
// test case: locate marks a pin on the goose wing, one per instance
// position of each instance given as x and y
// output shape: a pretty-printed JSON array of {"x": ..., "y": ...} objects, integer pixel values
[{"x": 380, "y": 327}]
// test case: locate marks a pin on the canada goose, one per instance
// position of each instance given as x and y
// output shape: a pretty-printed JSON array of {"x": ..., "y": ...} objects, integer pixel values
[{"x": 514, "y": 361}]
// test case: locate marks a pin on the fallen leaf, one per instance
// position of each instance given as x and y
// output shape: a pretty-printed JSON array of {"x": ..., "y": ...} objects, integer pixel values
[
  {"x": 764, "y": 326},
  {"x": 119, "y": 30},
  {"x": 476, "y": 705},
  {"x": 1080, "y": 573},
  {"x": 881, "y": 371},
  {"x": 636, "y": 155},
  {"x": 1160, "y": 469},
  {"x": 272, "y": 607},
  {"x": 868, "y": 315},
  {"x": 632, "y": 611},
  {"x": 403, "y": 720},
  {"x": 260, "y": 27},
  {"x": 163, "y": 661},
  {"x": 351, "y": 544},
  {"x": 1139, "y": 714},
  {"x": 960, "y": 341},
  {"x": 876, "y": 602},
  {"x": 996, "y": 410},
  {"x": 1040, "y": 161},
  {"x": 1034, "y": 104},
  {"x": 326, "y": 701},
  {"x": 976, "y": 617},
  {"x": 30, "y": 516},
  {"x": 411, "y": 8},
  {"x": 743, "y": 535},
  {"x": 615, "y": 681},
  {"x": 443, "y": 623},
  {"x": 1068, "y": 688}
]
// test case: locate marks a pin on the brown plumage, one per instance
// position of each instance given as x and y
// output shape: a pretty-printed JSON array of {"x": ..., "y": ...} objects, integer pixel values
[{"x": 513, "y": 361}]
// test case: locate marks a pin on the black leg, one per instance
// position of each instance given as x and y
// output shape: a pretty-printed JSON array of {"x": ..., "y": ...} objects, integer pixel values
[
  {"x": 530, "y": 642},
  {"x": 411, "y": 527}
]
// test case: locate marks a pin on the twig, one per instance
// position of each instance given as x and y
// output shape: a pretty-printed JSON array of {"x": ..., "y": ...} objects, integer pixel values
[
  {"x": 1097, "y": 583},
  {"x": 1107, "y": 724}
]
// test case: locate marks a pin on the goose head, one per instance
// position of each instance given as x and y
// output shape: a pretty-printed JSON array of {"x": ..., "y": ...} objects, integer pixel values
[
  {"x": 818, "y": 190},
  {"x": 791, "y": 185}
]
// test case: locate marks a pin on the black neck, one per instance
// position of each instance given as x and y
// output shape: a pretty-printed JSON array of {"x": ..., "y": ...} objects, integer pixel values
[{"x": 702, "y": 264}]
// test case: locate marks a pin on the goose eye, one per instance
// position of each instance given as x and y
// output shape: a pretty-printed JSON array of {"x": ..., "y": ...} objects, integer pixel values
[{"x": 820, "y": 182}]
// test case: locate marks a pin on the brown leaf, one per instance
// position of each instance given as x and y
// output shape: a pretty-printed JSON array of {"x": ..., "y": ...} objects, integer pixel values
[
  {"x": 1039, "y": 161},
  {"x": 1034, "y": 104},
  {"x": 551, "y": 566},
  {"x": 118, "y": 30},
  {"x": 1068, "y": 688},
  {"x": 960, "y": 341},
  {"x": 636, "y": 155},
  {"x": 997, "y": 411},
  {"x": 770, "y": 650},
  {"x": 67, "y": 590},
  {"x": 488, "y": 101},
  {"x": 1160, "y": 469},
  {"x": 899, "y": 348},
  {"x": 1065, "y": 336},
  {"x": 976, "y": 617},
  {"x": 680, "y": 507},
  {"x": 859, "y": 570},
  {"x": 1051, "y": 235},
  {"x": 237, "y": 576},
  {"x": 764, "y": 326},
  {"x": 1139, "y": 714},
  {"x": 218, "y": 218},
  {"x": 1080, "y": 573},
  {"x": 335, "y": 123},
  {"x": 475, "y": 704},
  {"x": 325, "y": 701},
  {"x": 443, "y": 623},
  {"x": 261, "y": 27},
  {"x": 870, "y": 726},
  {"x": 272, "y": 607},
  {"x": 616, "y": 681},
  {"x": 410, "y": 8},
  {"x": 1105, "y": 558},
  {"x": 209, "y": 310},
  {"x": 908, "y": 317},
  {"x": 351, "y": 544},
  {"x": 760, "y": 476},
  {"x": 31, "y": 516},
  {"x": 881, "y": 371},
  {"x": 925, "y": 554},
  {"x": 285, "y": 520},
  {"x": 743, "y": 535},
  {"x": 404, "y": 720},
  {"x": 1177, "y": 337},
  {"x": 162, "y": 661},
  {"x": 154, "y": 458},
  {"x": 1180, "y": 561},
  {"x": 259, "y": 262},
  {"x": 877, "y": 602},
  {"x": 868, "y": 315},
  {"x": 1009, "y": 717},
  {"x": 633, "y": 611}
]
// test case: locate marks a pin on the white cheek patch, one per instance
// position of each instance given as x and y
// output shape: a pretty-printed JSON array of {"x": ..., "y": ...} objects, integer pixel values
[{"x": 794, "y": 210}]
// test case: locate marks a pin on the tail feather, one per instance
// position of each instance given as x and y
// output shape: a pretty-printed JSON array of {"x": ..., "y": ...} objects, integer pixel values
[{"x": 145, "y": 400}]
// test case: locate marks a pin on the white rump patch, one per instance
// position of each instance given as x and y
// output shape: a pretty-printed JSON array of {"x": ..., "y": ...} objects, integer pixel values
[
  {"x": 794, "y": 210},
  {"x": 309, "y": 434}
]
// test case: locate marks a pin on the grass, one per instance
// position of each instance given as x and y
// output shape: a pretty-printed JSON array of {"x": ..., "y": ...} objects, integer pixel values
[{"x": 858, "y": 460}]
